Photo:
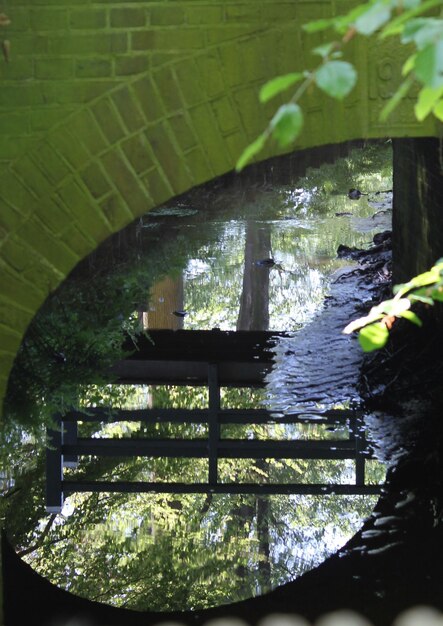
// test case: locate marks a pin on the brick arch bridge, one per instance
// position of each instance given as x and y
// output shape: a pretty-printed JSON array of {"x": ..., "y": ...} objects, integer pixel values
[{"x": 109, "y": 108}]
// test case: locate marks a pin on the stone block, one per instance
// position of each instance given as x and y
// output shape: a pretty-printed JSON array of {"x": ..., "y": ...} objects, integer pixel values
[{"x": 93, "y": 68}]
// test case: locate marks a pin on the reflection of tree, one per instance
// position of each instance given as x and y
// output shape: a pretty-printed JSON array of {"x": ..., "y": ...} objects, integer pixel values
[
  {"x": 254, "y": 299},
  {"x": 160, "y": 552}
]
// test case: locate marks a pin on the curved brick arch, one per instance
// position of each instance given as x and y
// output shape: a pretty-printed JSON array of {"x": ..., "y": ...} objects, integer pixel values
[{"x": 125, "y": 106}]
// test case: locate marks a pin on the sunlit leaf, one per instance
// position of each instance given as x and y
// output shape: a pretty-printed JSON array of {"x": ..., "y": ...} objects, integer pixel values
[
  {"x": 278, "y": 84},
  {"x": 325, "y": 50},
  {"x": 438, "y": 110},
  {"x": 336, "y": 78},
  {"x": 437, "y": 294},
  {"x": 423, "y": 31},
  {"x": 373, "y": 337},
  {"x": 429, "y": 65},
  {"x": 396, "y": 98},
  {"x": 412, "y": 317},
  {"x": 396, "y": 25},
  {"x": 287, "y": 124},
  {"x": 418, "y": 297},
  {"x": 373, "y": 19},
  {"x": 408, "y": 65},
  {"x": 318, "y": 25},
  {"x": 426, "y": 101},
  {"x": 248, "y": 153}
]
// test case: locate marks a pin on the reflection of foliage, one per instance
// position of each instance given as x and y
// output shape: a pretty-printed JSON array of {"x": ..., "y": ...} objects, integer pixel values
[
  {"x": 426, "y": 288},
  {"x": 161, "y": 552}
]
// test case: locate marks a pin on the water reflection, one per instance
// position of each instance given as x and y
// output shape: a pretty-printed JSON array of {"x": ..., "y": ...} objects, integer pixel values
[{"x": 264, "y": 260}]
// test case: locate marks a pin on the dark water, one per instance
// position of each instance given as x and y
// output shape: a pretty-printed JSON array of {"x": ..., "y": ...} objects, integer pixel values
[{"x": 242, "y": 257}]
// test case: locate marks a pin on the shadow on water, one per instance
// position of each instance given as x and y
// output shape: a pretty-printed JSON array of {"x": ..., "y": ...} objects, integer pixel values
[{"x": 227, "y": 258}]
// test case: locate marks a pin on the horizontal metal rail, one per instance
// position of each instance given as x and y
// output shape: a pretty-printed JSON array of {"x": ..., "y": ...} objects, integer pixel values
[
  {"x": 70, "y": 486},
  {"x": 201, "y": 416},
  {"x": 225, "y": 448}
]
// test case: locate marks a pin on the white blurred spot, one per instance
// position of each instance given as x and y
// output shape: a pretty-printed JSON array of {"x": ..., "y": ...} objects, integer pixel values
[
  {"x": 420, "y": 616},
  {"x": 342, "y": 618},
  {"x": 283, "y": 619}
]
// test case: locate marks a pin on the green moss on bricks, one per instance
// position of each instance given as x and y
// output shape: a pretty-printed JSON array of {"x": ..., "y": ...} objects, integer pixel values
[
  {"x": 93, "y": 68},
  {"x": 128, "y": 109},
  {"x": 86, "y": 19},
  {"x": 96, "y": 180},
  {"x": 130, "y": 64},
  {"x": 138, "y": 152},
  {"x": 128, "y": 17},
  {"x": 164, "y": 15},
  {"x": 126, "y": 181}
]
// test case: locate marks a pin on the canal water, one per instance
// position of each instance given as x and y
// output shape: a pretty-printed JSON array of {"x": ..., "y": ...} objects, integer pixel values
[{"x": 234, "y": 256}]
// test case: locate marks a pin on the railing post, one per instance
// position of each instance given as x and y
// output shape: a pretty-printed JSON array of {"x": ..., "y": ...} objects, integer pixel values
[
  {"x": 54, "y": 468},
  {"x": 214, "y": 424},
  {"x": 69, "y": 437}
]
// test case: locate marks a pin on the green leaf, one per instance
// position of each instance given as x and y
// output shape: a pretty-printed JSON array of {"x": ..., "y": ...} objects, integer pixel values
[
  {"x": 325, "y": 50},
  {"x": 438, "y": 110},
  {"x": 437, "y": 294},
  {"x": 287, "y": 124},
  {"x": 336, "y": 78},
  {"x": 412, "y": 317},
  {"x": 396, "y": 25},
  {"x": 319, "y": 25},
  {"x": 278, "y": 84},
  {"x": 427, "y": 99},
  {"x": 423, "y": 31},
  {"x": 429, "y": 65},
  {"x": 417, "y": 297},
  {"x": 373, "y": 19},
  {"x": 408, "y": 65},
  {"x": 248, "y": 153},
  {"x": 373, "y": 337},
  {"x": 396, "y": 98}
]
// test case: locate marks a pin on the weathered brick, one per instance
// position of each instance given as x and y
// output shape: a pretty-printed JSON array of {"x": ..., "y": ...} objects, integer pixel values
[
  {"x": 40, "y": 239},
  {"x": 96, "y": 180},
  {"x": 108, "y": 120},
  {"x": 14, "y": 316},
  {"x": 46, "y": 117},
  {"x": 130, "y": 64},
  {"x": 17, "y": 193},
  {"x": 88, "y": 18},
  {"x": 203, "y": 15},
  {"x": 183, "y": 133},
  {"x": 167, "y": 87},
  {"x": 190, "y": 86},
  {"x": 84, "y": 126},
  {"x": 116, "y": 211},
  {"x": 205, "y": 126},
  {"x": 76, "y": 240},
  {"x": 128, "y": 108},
  {"x": 172, "y": 163},
  {"x": 210, "y": 75},
  {"x": 226, "y": 115},
  {"x": 15, "y": 123},
  {"x": 15, "y": 96},
  {"x": 93, "y": 68},
  {"x": 53, "y": 215},
  {"x": 43, "y": 19},
  {"x": 50, "y": 162},
  {"x": 128, "y": 17},
  {"x": 201, "y": 167},
  {"x": 70, "y": 146},
  {"x": 19, "y": 68},
  {"x": 83, "y": 210},
  {"x": 242, "y": 12},
  {"x": 150, "y": 103},
  {"x": 159, "y": 188},
  {"x": 20, "y": 19},
  {"x": 102, "y": 43},
  {"x": 169, "y": 39},
  {"x": 138, "y": 152},
  {"x": 125, "y": 181},
  {"x": 32, "y": 176},
  {"x": 19, "y": 292},
  {"x": 54, "y": 68},
  {"x": 163, "y": 15}
]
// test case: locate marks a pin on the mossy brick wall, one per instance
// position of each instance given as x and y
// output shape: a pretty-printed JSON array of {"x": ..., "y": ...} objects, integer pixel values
[{"x": 110, "y": 108}]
